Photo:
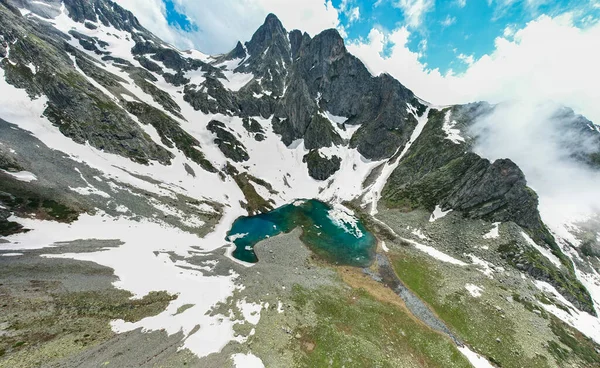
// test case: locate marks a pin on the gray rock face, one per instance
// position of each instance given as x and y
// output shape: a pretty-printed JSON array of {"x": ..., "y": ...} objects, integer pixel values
[
  {"x": 324, "y": 76},
  {"x": 580, "y": 137},
  {"x": 253, "y": 127},
  {"x": 299, "y": 78},
  {"x": 80, "y": 110},
  {"x": 438, "y": 172},
  {"x": 228, "y": 144},
  {"x": 319, "y": 167}
]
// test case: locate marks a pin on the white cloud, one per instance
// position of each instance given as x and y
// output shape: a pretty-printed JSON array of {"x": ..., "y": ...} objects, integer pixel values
[
  {"x": 506, "y": 7},
  {"x": 151, "y": 13},
  {"x": 448, "y": 21},
  {"x": 354, "y": 14},
  {"x": 508, "y": 32},
  {"x": 549, "y": 59},
  {"x": 467, "y": 59},
  {"x": 414, "y": 10},
  {"x": 542, "y": 147},
  {"x": 548, "y": 63},
  {"x": 224, "y": 22},
  {"x": 461, "y": 3}
]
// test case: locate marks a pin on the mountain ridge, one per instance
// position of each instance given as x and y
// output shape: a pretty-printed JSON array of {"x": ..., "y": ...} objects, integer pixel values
[
  {"x": 323, "y": 77},
  {"x": 191, "y": 142}
]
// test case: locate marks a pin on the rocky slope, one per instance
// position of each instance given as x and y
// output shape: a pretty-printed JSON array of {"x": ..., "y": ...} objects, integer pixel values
[{"x": 108, "y": 133}]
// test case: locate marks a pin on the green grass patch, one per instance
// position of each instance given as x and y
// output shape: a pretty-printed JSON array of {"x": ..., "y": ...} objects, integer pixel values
[
  {"x": 355, "y": 330},
  {"x": 478, "y": 324},
  {"x": 580, "y": 346}
]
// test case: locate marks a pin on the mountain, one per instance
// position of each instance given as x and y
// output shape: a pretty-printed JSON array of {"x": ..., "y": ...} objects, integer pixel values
[{"x": 125, "y": 162}]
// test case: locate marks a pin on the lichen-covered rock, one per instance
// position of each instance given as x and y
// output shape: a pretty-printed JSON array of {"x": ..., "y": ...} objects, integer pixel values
[
  {"x": 228, "y": 144},
  {"x": 320, "y": 167},
  {"x": 438, "y": 172},
  {"x": 170, "y": 132},
  {"x": 79, "y": 109}
]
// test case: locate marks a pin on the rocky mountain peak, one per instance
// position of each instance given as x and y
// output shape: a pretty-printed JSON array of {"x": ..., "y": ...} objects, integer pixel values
[
  {"x": 271, "y": 35},
  {"x": 328, "y": 45},
  {"x": 239, "y": 52}
]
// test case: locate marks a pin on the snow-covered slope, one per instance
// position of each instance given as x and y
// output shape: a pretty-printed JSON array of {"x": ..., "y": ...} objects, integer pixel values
[{"x": 180, "y": 144}]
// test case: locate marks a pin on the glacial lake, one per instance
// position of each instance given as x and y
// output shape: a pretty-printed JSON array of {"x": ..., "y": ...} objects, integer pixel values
[{"x": 331, "y": 233}]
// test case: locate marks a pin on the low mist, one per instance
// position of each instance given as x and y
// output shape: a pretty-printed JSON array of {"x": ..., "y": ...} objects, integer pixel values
[{"x": 545, "y": 139}]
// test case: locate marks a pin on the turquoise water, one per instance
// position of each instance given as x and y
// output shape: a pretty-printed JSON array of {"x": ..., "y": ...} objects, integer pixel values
[{"x": 339, "y": 239}]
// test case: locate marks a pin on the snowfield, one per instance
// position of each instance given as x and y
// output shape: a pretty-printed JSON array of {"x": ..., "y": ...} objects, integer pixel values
[{"x": 155, "y": 255}]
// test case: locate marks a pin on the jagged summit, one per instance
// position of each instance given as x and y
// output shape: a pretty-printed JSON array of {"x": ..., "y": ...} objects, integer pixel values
[
  {"x": 270, "y": 34},
  {"x": 111, "y": 135}
]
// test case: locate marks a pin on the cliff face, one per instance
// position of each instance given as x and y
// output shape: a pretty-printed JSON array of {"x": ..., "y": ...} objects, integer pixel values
[{"x": 248, "y": 118}]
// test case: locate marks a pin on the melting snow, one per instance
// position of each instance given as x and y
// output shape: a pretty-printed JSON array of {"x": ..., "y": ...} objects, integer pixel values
[
  {"x": 251, "y": 311},
  {"x": 438, "y": 213},
  {"x": 247, "y": 361},
  {"x": 475, "y": 359},
  {"x": 384, "y": 247},
  {"x": 419, "y": 234},
  {"x": 452, "y": 133},
  {"x": 11, "y": 254},
  {"x": 547, "y": 253},
  {"x": 344, "y": 219},
  {"x": 582, "y": 321},
  {"x": 150, "y": 244},
  {"x": 373, "y": 192},
  {"x": 436, "y": 253},
  {"x": 485, "y": 267},
  {"x": 474, "y": 290},
  {"x": 235, "y": 81},
  {"x": 25, "y": 176},
  {"x": 494, "y": 233}
]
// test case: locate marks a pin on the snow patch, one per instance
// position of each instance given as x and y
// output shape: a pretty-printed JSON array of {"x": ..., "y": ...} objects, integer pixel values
[
  {"x": 582, "y": 321},
  {"x": 436, "y": 253},
  {"x": 474, "y": 290},
  {"x": 24, "y": 176},
  {"x": 494, "y": 233},
  {"x": 438, "y": 213},
  {"x": 452, "y": 133},
  {"x": 250, "y": 311},
  {"x": 11, "y": 254},
  {"x": 545, "y": 252},
  {"x": 475, "y": 359},
  {"x": 150, "y": 244},
  {"x": 484, "y": 266},
  {"x": 419, "y": 234},
  {"x": 247, "y": 361}
]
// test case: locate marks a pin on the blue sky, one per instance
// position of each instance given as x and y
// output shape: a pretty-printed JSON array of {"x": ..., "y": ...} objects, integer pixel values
[
  {"x": 446, "y": 51},
  {"x": 439, "y": 30},
  {"x": 453, "y": 27},
  {"x": 443, "y": 30}
]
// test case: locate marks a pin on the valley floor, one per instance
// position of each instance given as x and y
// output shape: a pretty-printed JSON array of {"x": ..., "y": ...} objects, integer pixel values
[{"x": 292, "y": 309}]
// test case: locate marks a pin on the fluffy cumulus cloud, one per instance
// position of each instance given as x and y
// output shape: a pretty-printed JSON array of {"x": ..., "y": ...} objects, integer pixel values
[
  {"x": 549, "y": 59},
  {"x": 221, "y": 23},
  {"x": 533, "y": 71}
]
